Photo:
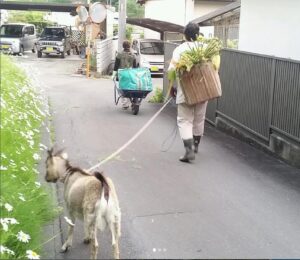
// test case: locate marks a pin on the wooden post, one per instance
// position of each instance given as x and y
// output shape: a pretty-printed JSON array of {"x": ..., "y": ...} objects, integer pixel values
[
  {"x": 88, "y": 60},
  {"x": 89, "y": 35}
]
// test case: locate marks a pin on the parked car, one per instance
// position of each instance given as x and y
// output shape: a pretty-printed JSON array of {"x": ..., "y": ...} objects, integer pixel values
[
  {"x": 150, "y": 54},
  {"x": 54, "y": 40},
  {"x": 16, "y": 38}
]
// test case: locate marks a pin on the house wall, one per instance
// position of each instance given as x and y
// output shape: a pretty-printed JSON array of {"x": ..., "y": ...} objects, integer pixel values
[
  {"x": 270, "y": 27},
  {"x": 204, "y": 7},
  {"x": 109, "y": 22},
  {"x": 173, "y": 11},
  {"x": 179, "y": 12},
  {"x": 3, "y": 16}
]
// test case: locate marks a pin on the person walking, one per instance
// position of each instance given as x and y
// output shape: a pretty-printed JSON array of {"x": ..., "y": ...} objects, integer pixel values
[
  {"x": 124, "y": 60},
  {"x": 190, "y": 118}
]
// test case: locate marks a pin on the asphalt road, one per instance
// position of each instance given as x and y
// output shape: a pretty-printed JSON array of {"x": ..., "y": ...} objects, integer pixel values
[{"x": 234, "y": 201}]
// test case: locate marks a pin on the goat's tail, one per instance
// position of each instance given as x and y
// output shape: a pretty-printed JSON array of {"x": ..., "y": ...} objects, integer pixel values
[
  {"x": 109, "y": 214},
  {"x": 104, "y": 183}
]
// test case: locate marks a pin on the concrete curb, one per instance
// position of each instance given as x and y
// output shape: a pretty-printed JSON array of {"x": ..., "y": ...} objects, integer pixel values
[
  {"x": 52, "y": 236},
  {"x": 278, "y": 147}
]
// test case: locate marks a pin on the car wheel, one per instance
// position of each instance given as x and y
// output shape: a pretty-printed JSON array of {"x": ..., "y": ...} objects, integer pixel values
[
  {"x": 33, "y": 49},
  {"x": 62, "y": 55},
  {"x": 39, "y": 54}
]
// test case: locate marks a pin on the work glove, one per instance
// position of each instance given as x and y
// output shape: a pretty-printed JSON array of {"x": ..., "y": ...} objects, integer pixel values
[{"x": 114, "y": 75}]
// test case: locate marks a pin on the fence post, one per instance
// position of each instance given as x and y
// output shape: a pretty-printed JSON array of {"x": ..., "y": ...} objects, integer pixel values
[{"x": 271, "y": 101}]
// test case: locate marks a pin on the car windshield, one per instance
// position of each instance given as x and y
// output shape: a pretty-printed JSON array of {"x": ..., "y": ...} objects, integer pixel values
[
  {"x": 152, "y": 48},
  {"x": 11, "y": 30},
  {"x": 59, "y": 32}
]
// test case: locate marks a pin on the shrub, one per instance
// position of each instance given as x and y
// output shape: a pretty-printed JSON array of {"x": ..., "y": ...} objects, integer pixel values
[{"x": 158, "y": 96}]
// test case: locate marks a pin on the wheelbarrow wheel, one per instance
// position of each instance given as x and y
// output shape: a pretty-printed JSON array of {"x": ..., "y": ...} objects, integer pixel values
[{"x": 135, "y": 109}]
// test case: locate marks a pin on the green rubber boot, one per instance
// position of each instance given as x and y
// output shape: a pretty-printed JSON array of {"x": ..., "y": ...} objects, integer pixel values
[
  {"x": 196, "y": 143},
  {"x": 189, "y": 151}
]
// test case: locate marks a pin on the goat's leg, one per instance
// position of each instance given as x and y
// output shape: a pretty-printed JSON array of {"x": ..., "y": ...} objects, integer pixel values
[
  {"x": 69, "y": 240},
  {"x": 89, "y": 225},
  {"x": 94, "y": 241},
  {"x": 115, "y": 234}
]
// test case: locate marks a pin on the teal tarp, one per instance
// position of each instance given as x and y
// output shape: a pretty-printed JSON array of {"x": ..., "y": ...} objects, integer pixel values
[{"x": 135, "y": 79}]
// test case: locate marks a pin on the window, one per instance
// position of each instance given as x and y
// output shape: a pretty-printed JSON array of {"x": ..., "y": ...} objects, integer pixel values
[
  {"x": 59, "y": 32},
  {"x": 10, "y": 30},
  {"x": 29, "y": 30},
  {"x": 152, "y": 48}
]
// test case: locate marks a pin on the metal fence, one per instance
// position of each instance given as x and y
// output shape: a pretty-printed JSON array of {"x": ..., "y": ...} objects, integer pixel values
[
  {"x": 261, "y": 94},
  {"x": 286, "y": 100},
  {"x": 246, "y": 84}
]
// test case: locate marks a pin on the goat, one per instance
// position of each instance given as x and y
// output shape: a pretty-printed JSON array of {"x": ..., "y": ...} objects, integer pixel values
[{"x": 89, "y": 197}]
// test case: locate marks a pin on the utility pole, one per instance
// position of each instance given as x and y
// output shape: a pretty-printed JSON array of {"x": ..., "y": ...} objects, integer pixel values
[
  {"x": 122, "y": 23},
  {"x": 88, "y": 49}
]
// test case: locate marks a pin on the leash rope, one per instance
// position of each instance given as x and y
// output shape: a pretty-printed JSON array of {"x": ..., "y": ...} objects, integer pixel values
[{"x": 124, "y": 146}]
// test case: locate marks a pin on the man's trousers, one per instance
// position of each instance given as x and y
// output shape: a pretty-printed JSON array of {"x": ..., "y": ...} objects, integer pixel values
[{"x": 190, "y": 119}]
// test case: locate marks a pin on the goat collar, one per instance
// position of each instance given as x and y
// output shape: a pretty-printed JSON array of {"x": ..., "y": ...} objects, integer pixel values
[{"x": 65, "y": 176}]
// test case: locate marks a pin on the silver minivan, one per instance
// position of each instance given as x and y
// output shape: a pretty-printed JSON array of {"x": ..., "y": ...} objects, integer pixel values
[{"x": 16, "y": 38}]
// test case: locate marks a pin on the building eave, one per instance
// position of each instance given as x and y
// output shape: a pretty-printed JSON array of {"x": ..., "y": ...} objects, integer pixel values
[{"x": 203, "y": 20}]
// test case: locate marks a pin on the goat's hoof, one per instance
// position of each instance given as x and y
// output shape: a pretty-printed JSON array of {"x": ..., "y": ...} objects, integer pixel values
[
  {"x": 64, "y": 249},
  {"x": 87, "y": 240}
]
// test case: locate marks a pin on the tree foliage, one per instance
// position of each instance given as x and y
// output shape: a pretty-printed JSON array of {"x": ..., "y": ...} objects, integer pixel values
[
  {"x": 34, "y": 17},
  {"x": 133, "y": 9}
]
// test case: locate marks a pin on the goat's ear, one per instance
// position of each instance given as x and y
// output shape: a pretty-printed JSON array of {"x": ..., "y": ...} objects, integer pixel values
[
  {"x": 50, "y": 152},
  {"x": 64, "y": 155}
]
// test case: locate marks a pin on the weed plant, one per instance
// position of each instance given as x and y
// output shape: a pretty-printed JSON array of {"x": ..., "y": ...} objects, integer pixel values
[
  {"x": 158, "y": 96},
  {"x": 26, "y": 205}
]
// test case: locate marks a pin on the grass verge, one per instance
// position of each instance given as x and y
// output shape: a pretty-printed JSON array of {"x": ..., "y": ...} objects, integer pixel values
[{"x": 26, "y": 205}]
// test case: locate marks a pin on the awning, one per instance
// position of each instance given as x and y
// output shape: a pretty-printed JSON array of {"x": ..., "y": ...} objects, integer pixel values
[
  {"x": 156, "y": 25},
  {"x": 205, "y": 19}
]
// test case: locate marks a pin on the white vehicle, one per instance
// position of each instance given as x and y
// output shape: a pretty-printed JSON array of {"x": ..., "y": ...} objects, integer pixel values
[
  {"x": 150, "y": 54},
  {"x": 16, "y": 38}
]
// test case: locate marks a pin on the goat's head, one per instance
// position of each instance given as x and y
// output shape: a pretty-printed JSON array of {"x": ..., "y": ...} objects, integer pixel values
[{"x": 56, "y": 164}]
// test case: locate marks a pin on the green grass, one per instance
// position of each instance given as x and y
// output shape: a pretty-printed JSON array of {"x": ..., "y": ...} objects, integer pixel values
[
  {"x": 21, "y": 121},
  {"x": 158, "y": 96}
]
